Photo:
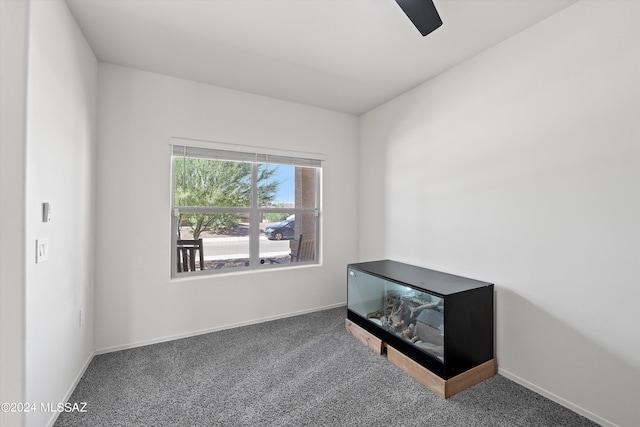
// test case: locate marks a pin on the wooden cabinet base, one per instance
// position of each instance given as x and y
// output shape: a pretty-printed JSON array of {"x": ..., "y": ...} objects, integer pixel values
[
  {"x": 443, "y": 388},
  {"x": 366, "y": 338}
]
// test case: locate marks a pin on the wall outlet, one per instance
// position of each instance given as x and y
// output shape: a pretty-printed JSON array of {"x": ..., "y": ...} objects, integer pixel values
[{"x": 81, "y": 319}]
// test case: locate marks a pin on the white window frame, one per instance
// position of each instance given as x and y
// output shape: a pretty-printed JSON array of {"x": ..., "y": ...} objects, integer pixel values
[{"x": 254, "y": 155}]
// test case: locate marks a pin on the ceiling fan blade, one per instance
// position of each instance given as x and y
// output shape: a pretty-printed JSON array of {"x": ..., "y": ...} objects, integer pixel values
[{"x": 422, "y": 13}]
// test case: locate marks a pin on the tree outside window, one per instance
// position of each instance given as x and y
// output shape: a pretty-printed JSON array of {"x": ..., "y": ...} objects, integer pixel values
[{"x": 248, "y": 214}]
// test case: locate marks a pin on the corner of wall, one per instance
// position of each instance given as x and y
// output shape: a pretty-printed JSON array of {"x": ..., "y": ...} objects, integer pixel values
[{"x": 14, "y": 30}]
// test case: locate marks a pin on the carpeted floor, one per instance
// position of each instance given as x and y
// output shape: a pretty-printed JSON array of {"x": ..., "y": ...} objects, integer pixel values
[{"x": 300, "y": 371}]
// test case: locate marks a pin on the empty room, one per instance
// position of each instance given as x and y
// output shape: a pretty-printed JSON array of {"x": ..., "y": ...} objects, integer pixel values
[{"x": 214, "y": 212}]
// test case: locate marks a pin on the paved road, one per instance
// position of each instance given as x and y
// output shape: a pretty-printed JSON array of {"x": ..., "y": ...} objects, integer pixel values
[{"x": 238, "y": 247}]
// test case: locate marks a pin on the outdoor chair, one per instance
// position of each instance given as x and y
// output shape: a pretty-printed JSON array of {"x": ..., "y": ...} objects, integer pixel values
[
  {"x": 186, "y": 255},
  {"x": 302, "y": 250},
  {"x": 305, "y": 250}
]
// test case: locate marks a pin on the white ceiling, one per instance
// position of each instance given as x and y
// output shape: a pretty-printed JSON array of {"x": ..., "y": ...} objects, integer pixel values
[{"x": 344, "y": 55}]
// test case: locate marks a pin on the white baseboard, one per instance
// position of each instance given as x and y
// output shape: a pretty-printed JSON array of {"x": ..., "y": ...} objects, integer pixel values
[
  {"x": 215, "y": 329},
  {"x": 575, "y": 408},
  {"x": 54, "y": 415}
]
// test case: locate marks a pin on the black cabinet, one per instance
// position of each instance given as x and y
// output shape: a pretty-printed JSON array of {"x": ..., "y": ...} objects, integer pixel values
[{"x": 441, "y": 321}]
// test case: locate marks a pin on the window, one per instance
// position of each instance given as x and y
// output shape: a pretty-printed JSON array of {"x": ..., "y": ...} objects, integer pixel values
[{"x": 240, "y": 208}]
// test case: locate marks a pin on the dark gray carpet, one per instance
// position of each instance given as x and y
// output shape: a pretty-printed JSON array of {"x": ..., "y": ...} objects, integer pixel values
[{"x": 300, "y": 371}]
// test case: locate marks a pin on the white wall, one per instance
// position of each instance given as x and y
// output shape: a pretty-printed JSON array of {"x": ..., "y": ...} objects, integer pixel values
[
  {"x": 61, "y": 120},
  {"x": 136, "y": 302},
  {"x": 521, "y": 167},
  {"x": 14, "y": 27}
]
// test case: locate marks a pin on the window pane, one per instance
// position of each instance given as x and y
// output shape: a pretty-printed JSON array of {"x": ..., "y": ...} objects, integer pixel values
[
  {"x": 219, "y": 183},
  {"x": 225, "y": 239},
  {"x": 280, "y": 241},
  {"x": 282, "y": 186},
  {"x": 215, "y": 196}
]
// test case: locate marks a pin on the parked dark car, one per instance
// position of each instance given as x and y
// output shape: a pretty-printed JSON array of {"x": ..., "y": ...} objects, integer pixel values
[{"x": 281, "y": 231}]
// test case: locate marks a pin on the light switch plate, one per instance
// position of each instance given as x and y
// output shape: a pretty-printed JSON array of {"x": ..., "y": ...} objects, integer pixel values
[
  {"x": 46, "y": 212},
  {"x": 42, "y": 250}
]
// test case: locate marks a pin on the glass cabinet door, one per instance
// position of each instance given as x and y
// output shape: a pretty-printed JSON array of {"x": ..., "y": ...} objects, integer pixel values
[
  {"x": 364, "y": 292},
  {"x": 416, "y": 317}
]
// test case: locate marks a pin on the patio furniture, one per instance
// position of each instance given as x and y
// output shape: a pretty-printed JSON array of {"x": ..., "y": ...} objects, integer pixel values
[
  {"x": 186, "y": 255},
  {"x": 305, "y": 250},
  {"x": 301, "y": 250}
]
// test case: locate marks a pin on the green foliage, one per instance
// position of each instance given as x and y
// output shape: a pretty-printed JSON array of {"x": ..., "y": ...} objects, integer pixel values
[
  {"x": 267, "y": 187},
  {"x": 277, "y": 216},
  {"x": 201, "y": 182}
]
